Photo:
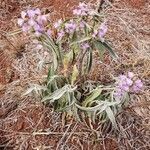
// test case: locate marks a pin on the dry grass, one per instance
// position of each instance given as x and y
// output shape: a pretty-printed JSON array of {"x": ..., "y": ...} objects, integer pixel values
[{"x": 27, "y": 124}]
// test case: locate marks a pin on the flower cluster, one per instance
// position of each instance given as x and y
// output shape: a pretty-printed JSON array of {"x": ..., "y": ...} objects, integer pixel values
[
  {"x": 70, "y": 27},
  {"x": 127, "y": 83},
  {"x": 32, "y": 20},
  {"x": 81, "y": 10},
  {"x": 101, "y": 31}
]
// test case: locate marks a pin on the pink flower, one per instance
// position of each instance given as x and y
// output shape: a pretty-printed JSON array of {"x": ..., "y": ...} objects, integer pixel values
[
  {"x": 61, "y": 34},
  {"x": 127, "y": 84},
  {"x": 41, "y": 19},
  {"x": 49, "y": 32},
  {"x": 102, "y": 30},
  {"x": 130, "y": 75},
  {"x": 58, "y": 24},
  {"x": 81, "y": 10},
  {"x": 37, "y": 11},
  {"x": 135, "y": 89},
  {"x": 20, "y": 22},
  {"x": 95, "y": 33},
  {"x": 138, "y": 83},
  {"x": 77, "y": 12},
  {"x": 82, "y": 24},
  {"x": 31, "y": 22},
  {"x": 70, "y": 27},
  {"x": 37, "y": 27},
  {"x": 37, "y": 33},
  {"x": 85, "y": 46},
  {"x": 23, "y": 14},
  {"x": 31, "y": 13},
  {"x": 26, "y": 28}
]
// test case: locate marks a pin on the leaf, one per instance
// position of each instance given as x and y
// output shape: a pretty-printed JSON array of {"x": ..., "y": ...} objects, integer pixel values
[
  {"x": 101, "y": 49},
  {"x": 50, "y": 73},
  {"x": 81, "y": 40},
  {"x": 59, "y": 93},
  {"x": 95, "y": 93},
  {"x": 29, "y": 90},
  {"x": 56, "y": 94},
  {"x": 89, "y": 61},
  {"x": 55, "y": 58},
  {"x": 14, "y": 32},
  {"x": 75, "y": 74},
  {"x": 111, "y": 116},
  {"x": 52, "y": 78},
  {"x": 89, "y": 108},
  {"x": 55, "y": 62},
  {"x": 36, "y": 88},
  {"x": 102, "y": 46},
  {"x": 113, "y": 54},
  {"x": 75, "y": 113}
]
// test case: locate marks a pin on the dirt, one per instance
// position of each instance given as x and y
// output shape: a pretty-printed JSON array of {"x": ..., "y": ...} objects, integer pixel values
[{"x": 136, "y": 3}]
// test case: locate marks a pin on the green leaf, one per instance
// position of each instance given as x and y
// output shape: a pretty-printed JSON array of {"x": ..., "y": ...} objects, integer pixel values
[
  {"x": 75, "y": 74},
  {"x": 95, "y": 93},
  {"x": 81, "y": 40},
  {"x": 54, "y": 77},
  {"x": 89, "y": 61},
  {"x": 97, "y": 107},
  {"x": 102, "y": 47},
  {"x": 76, "y": 113},
  {"x": 111, "y": 116},
  {"x": 59, "y": 93},
  {"x": 35, "y": 87},
  {"x": 112, "y": 53},
  {"x": 56, "y": 94}
]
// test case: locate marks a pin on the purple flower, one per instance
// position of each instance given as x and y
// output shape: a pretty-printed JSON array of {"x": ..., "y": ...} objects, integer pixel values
[
  {"x": 122, "y": 77},
  {"x": 77, "y": 12},
  {"x": 37, "y": 27},
  {"x": 26, "y": 27},
  {"x": 37, "y": 33},
  {"x": 95, "y": 33},
  {"x": 137, "y": 86},
  {"x": 102, "y": 30},
  {"x": 138, "y": 83},
  {"x": 20, "y": 22},
  {"x": 81, "y": 10},
  {"x": 125, "y": 88},
  {"x": 58, "y": 24},
  {"x": 85, "y": 46},
  {"x": 127, "y": 84},
  {"x": 31, "y": 22},
  {"x": 31, "y": 13},
  {"x": 37, "y": 11},
  {"x": 23, "y": 14},
  {"x": 41, "y": 19},
  {"x": 61, "y": 34},
  {"x": 82, "y": 24},
  {"x": 130, "y": 75},
  {"x": 70, "y": 27},
  {"x": 49, "y": 32},
  {"x": 32, "y": 19}
]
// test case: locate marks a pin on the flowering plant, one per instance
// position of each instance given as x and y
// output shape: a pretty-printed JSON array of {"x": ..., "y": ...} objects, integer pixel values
[{"x": 72, "y": 43}]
